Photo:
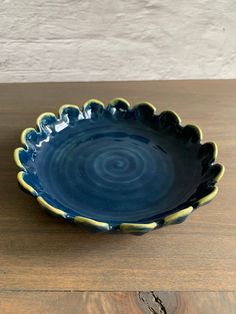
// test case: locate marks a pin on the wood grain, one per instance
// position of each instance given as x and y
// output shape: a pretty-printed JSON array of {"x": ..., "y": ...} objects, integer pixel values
[
  {"x": 38, "y": 252},
  {"x": 69, "y": 302},
  {"x": 188, "y": 302},
  {"x": 117, "y": 302}
]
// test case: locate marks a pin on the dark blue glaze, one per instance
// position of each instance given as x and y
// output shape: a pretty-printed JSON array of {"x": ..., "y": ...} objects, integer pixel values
[{"x": 118, "y": 165}]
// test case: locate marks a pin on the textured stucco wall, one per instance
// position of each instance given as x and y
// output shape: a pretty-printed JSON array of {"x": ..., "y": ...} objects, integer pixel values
[{"x": 73, "y": 40}]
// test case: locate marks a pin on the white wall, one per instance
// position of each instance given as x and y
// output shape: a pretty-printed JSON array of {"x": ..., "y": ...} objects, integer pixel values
[{"x": 73, "y": 40}]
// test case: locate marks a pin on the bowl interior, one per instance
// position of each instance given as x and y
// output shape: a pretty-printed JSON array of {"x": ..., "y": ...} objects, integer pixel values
[{"x": 116, "y": 170}]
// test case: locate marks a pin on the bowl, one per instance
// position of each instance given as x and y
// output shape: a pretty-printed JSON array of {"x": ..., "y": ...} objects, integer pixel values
[{"x": 117, "y": 168}]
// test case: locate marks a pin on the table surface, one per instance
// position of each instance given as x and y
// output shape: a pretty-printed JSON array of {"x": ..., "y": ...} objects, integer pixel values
[
  {"x": 42, "y": 253},
  {"x": 77, "y": 302}
]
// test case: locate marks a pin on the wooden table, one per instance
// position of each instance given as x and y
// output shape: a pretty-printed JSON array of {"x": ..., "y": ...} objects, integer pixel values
[{"x": 46, "y": 263}]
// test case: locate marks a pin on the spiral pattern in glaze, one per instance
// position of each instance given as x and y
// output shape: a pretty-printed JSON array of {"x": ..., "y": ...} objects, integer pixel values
[{"x": 109, "y": 173}]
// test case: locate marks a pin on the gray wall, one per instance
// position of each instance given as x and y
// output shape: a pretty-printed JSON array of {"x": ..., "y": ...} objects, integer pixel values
[{"x": 72, "y": 40}]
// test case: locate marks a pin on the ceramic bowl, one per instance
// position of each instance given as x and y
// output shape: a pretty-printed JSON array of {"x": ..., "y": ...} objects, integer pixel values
[{"x": 117, "y": 168}]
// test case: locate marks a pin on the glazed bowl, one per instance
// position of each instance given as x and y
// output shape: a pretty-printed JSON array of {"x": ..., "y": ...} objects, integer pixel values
[{"x": 117, "y": 168}]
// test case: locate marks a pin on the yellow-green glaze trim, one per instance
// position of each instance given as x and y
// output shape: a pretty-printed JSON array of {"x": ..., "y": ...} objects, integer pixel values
[
  {"x": 51, "y": 208},
  {"x": 146, "y": 103},
  {"x": 181, "y": 213},
  {"x": 24, "y": 134},
  {"x": 16, "y": 156},
  {"x": 208, "y": 197},
  {"x": 91, "y": 222},
  {"x": 93, "y": 100},
  {"x": 130, "y": 227},
  {"x": 215, "y": 149},
  {"x": 221, "y": 173},
  {"x": 63, "y": 107},
  {"x": 24, "y": 184},
  {"x": 114, "y": 100},
  {"x": 44, "y": 115}
]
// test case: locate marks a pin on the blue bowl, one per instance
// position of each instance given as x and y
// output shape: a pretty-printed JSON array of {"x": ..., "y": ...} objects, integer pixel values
[{"x": 117, "y": 168}]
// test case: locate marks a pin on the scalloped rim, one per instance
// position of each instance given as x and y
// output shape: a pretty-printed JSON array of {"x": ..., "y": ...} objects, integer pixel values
[
  {"x": 93, "y": 100},
  {"x": 124, "y": 227},
  {"x": 221, "y": 173},
  {"x": 197, "y": 129},
  {"x": 170, "y": 219},
  {"x": 24, "y": 184},
  {"x": 132, "y": 227},
  {"x": 114, "y": 100}
]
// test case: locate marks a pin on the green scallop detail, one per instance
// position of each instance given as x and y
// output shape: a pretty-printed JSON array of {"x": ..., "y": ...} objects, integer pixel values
[
  {"x": 173, "y": 218},
  {"x": 136, "y": 228}
]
